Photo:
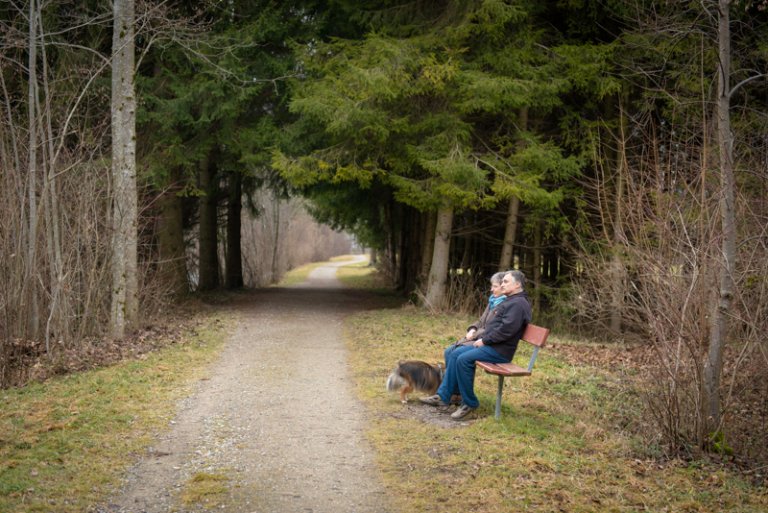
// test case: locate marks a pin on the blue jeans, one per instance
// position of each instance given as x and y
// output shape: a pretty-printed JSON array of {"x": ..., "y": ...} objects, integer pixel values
[
  {"x": 448, "y": 350},
  {"x": 460, "y": 372}
]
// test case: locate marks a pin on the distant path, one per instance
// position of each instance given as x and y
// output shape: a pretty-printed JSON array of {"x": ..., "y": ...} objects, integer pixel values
[{"x": 278, "y": 415}]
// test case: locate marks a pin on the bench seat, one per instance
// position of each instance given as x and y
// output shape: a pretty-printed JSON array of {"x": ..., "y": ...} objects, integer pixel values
[{"x": 503, "y": 369}]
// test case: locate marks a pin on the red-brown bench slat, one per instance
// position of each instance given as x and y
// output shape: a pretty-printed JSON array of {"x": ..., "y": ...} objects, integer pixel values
[
  {"x": 535, "y": 335},
  {"x": 503, "y": 369}
]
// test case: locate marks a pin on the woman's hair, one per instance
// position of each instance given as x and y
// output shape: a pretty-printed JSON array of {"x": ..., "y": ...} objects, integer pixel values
[{"x": 496, "y": 278}]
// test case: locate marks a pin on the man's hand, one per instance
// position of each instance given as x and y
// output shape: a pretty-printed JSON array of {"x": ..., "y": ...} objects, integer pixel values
[{"x": 478, "y": 343}]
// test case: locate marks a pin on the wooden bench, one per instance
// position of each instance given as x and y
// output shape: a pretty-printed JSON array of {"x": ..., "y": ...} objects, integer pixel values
[{"x": 535, "y": 335}]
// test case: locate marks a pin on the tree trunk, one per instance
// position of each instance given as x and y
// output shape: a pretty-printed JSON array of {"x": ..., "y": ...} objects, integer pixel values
[
  {"x": 59, "y": 312},
  {"x": 124, "y": 311},
  {"x": 409, "y": 254},
  {"x": 170, "y": 237},
  {"x": 617, "y": 270},
  {"x": 276, "y": 238},
  {"x": 427, "y": 245},
  {"x": 507, "y": 248},
  {"x": 718, "y": 329},
  {"x": 537, "y": 268},
  {"x": 30, "y": 282},
  {"x": 403, "y": 249},
  {"x": 234, "y": 264},
  {"x": 209, "y": 240},
  {"x": 510, "y": 231},
  {"x": 438, "y": 273}
]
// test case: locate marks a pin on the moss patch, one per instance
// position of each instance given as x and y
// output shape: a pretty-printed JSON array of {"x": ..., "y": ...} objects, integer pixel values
[{"x": 206, "y": 490}]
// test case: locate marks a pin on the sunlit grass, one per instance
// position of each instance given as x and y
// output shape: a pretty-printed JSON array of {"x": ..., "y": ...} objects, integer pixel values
[
  {"x": 558, "y": 447},
  {"x": 362, "y": 275},
  {"x": 64, "y": 443},
  {"x": 298, "y": 275}
]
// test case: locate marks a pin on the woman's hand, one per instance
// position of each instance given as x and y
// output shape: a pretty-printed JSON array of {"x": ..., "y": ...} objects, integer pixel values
[{"x": 471, "y": 333}]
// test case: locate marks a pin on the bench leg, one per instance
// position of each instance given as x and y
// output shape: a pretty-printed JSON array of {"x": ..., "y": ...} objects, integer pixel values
[{"x": 498, "y": 397}]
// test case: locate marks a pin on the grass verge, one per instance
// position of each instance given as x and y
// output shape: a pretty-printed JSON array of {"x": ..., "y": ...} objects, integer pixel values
[
  {"x": 342, "y": 258},
  {"x": 558, "y": 447},
  {"x": 362, "y": 276},
  {"x": 64, "y": 443}
]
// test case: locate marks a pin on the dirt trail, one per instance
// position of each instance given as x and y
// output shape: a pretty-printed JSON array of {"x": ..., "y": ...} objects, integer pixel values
[{"x": 277, "y": 417}]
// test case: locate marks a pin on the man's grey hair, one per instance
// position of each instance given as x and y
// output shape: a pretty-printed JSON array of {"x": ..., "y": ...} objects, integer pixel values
[
  {"x": 496, "y": 278},
  {"x": 518, "y": 276}
]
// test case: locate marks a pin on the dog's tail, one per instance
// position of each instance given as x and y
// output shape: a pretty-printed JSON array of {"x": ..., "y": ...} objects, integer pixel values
[{"x": 395, "y": 382}]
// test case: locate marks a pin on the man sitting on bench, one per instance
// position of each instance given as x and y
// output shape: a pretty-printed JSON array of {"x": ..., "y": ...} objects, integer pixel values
[{"x": 497, "y": 345}]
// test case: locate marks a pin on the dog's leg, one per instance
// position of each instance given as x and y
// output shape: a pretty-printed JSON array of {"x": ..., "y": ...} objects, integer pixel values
[{"x": 407, "y": 389}]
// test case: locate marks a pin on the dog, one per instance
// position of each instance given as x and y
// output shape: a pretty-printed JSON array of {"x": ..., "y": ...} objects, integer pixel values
[{"x": 410, "y": 375}]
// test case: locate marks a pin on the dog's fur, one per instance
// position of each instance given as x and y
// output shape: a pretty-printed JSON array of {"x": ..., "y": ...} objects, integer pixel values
[{"x": 410, "y": 375}]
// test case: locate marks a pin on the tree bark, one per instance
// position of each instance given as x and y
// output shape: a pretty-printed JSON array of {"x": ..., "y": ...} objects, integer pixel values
[
  {"x": 508, "y": 246},
  {"x": 29, "y": 282},
  {"x": 537, "y": 263},
  {"x": 617, "y": 270},
  {"x": 438, "y": 274},
  {"x": 274, "y": 268},
  {"x": 718, "y": 329},
  {"x": 209, "y": 240},
  {"x": 408, "y": 250},
  {"x": 170, "y": 237},
  {"x": 234, "y": 263},
  {"x": 124, "y": 311},
  {"x": 59, "y": 312},
  {"x": 427, "y": 245}
]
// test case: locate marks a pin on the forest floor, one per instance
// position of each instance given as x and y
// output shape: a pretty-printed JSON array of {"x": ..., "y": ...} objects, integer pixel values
[{"x": 276, "y": 427}]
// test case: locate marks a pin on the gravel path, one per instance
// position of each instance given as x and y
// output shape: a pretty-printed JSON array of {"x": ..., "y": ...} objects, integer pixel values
[{"x": 277, "y": 418}]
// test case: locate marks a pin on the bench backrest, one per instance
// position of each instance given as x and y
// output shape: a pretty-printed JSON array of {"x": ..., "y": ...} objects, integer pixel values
[{"x": 537, "y": 336}]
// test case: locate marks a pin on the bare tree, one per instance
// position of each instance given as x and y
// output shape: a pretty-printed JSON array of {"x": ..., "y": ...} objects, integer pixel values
[
  {"x": 34, "y": 320},
  {"x": 726, "y": 263}
]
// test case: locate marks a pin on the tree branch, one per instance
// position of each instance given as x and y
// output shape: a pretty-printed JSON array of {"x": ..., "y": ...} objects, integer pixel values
[{"x": 744, "y": 82}]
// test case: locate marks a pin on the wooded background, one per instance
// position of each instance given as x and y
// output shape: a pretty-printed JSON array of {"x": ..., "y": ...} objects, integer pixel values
[{"x": 615, "y": 151}]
